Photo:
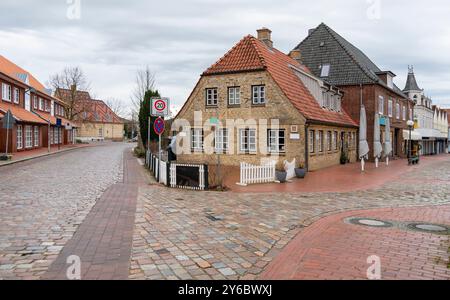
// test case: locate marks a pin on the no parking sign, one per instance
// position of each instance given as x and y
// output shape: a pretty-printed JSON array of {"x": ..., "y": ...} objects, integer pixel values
[{"x": 159, "y": 126}]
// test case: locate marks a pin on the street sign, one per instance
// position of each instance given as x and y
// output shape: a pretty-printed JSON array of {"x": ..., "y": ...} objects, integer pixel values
[
  {"x": 159, "y": 126},
  {"x": 160, "y": 107},
  {"x": 58, "y": 122},
  {"x": 8, "y": 120}
]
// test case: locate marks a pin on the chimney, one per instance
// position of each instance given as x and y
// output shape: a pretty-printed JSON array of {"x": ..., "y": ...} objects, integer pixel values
[
  {"x": 296, "y": 54},
  {"x": 265, "y": 36}
]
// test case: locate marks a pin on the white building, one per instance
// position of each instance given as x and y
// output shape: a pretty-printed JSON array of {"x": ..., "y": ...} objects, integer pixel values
[{"x": 428, "y": 118}]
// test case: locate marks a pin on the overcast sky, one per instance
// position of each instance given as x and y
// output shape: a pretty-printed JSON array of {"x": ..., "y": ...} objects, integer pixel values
[{"x": 111, "y": 39}]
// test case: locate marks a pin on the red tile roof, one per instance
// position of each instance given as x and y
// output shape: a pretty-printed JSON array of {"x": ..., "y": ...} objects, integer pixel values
[
  {"x": 47, "y": 116},
  {"x": 250, "y": 54},
  {"x": 88, "y": 109},
  {"x": 20, "y": 114},
  {"x": 12, "y": 70}
]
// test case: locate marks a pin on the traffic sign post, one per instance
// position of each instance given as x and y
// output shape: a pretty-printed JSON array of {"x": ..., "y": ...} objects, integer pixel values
[
  {"x": 159, "y": 108},
  {"x": 159, "y": 128}
]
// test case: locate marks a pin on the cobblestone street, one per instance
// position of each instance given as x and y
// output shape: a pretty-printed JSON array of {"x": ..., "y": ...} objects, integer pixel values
[
  {"x": 210, "y": 235},
  {"x": 42, "y": 203}
]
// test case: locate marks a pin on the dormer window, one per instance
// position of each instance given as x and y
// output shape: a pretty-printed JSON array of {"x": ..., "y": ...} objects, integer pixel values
[{"x": 325, "y": 70}]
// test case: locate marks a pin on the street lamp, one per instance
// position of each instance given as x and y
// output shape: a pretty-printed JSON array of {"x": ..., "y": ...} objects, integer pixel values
[{"x": 410, "y": 125}]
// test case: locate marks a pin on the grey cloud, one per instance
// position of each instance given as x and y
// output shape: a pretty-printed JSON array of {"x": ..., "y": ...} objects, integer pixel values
[{"x": 179, "y": 39}]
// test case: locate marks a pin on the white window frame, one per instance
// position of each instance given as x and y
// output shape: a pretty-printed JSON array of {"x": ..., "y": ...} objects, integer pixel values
[
  {"x": 36, "y": 136},
  {"x": 100, "y": 132},
  {"x": 381, "y": 105},
  {"x": 404, "y": 112},
  {"x": 212, "y": 96},
  {"x": 6, "y": 92},
  {"x": 35, "y": 102},
  {"x": 41, "y": 104},
  {"x": 52, "y": 139},
  {"x": 59, "y": 135},
  {"x": 258, "y": 94},
  {"x": 247, "y": 140},
  {"x": 16, "y": 96},
  {"x": 55, "y": 136},
  {"x": 320, "y": 141},
  {"x": 221, "y": 140},
  {"x": 397, "y": 110},
  {"x": 329, "y": 141},
  {"x": 19, "y": 138},
  {"x": 312, "y": 141},
  {"x": 234, "y": 95},
  {"x": 197, "y": 139},
  {"x": 335, "y": 140},
  {"x": 390, "y": 108},
  {"x": 28, "y": 136},
  {"x": 276, "y": 142}
]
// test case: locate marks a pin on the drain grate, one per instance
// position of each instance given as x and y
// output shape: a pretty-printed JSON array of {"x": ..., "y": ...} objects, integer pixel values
[{"x": 369, "y": 222}]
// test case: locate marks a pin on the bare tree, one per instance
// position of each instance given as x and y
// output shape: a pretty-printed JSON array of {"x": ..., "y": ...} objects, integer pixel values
[
  {"x": 117, "y": 106},
  {"x": 67, "y": 86},
  {"x": 145, "y": 81}
]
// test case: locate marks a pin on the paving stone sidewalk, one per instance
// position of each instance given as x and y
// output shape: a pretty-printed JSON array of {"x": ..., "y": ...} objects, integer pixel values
[
  {"x": 43, "y": 202},
  {"x": 210, "y": 235},
  {"x": 103, "y": 241}
]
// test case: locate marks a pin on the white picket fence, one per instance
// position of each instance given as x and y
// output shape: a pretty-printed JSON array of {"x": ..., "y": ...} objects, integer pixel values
[
  {"x": 251, "y": 174},
  {"x": 163, "y": 175}
]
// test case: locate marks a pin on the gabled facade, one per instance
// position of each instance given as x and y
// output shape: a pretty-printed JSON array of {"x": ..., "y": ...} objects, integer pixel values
[
  {"x": 332, "y": 58},
  {"x": 33, "y": 108},
  {"x": 425, "y": 117},
  {"x": 257, "y": 104},
  {"x": 96, "y": 119}
]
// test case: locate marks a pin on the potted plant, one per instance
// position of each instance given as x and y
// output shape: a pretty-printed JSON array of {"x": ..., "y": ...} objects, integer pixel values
[
  {"x": 281, "y": 176},
  {"x": 301, "y": 171}
]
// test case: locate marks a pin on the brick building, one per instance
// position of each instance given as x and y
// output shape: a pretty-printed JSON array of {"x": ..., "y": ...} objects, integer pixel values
[
  {"x": 332, "y": 58},
  {"x": 34, "y": 110},
  {"x": 96, "y": 119},
  {"x": 258, "y": 103}
]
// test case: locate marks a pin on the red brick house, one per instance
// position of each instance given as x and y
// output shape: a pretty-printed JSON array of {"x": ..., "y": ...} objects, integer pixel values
[
  {"x": 33, "y": 108},
  {"x": 335, "y": 60},
  {"x": 97, "y": 121}
]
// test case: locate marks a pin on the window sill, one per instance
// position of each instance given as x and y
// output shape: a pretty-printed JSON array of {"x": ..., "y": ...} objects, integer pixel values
[
  {"x": 258, "y": 105},
  {"x": 211, "y": 106},
  {"x": 234, "y": 106}
]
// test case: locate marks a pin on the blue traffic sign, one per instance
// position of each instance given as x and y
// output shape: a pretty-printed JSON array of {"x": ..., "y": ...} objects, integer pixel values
[{"x": 159, "y": 126}]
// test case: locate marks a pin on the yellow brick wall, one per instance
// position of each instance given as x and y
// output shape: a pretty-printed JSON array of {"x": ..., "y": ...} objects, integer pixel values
[
  {"x": 319, "y": 160},
  {"x": 277, "y": 107},
  {"x": 92, "y": 130}
]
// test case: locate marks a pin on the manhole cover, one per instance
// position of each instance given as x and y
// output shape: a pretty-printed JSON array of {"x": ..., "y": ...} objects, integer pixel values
[
  {"x": 369, "y": 222},
  {"x": 432, "y": 228}
]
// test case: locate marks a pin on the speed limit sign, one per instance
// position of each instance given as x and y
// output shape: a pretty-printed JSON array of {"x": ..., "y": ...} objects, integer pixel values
[{"x": 160, "y": 107}]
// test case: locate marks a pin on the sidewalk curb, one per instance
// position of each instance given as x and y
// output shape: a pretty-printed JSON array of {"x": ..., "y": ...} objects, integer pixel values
[{"x": 43, "y": 155}]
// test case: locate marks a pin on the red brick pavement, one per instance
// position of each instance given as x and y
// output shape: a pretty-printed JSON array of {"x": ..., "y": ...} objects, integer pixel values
[
  {"x": 104, "y": 239},
  {"x": 333, "y": 249},
  {"x": 346, "y": 178}
]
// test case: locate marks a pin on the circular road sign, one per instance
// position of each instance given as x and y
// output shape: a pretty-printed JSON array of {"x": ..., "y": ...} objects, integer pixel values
[
  {"x": 159, "y": 126},
  {"x": 160, "y": 106}
]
